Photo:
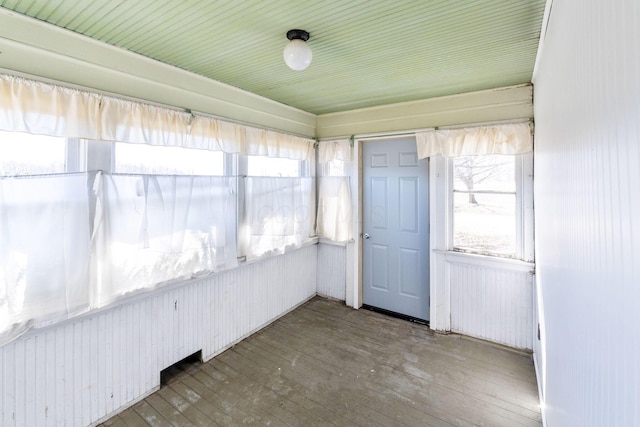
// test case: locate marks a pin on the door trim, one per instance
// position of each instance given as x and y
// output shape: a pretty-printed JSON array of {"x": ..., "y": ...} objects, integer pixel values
[{"x": 354, "y": 250}]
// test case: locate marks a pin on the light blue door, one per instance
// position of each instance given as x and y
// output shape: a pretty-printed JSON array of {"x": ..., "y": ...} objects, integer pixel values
[{"x": 395, "y": 269}]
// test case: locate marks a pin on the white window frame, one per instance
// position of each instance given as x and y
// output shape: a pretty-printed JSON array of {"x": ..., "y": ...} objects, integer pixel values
[{"x": 524, "y": 209}]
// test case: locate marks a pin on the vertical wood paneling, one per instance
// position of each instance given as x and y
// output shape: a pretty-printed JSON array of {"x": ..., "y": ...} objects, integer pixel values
[
  {"x": 332, "y": 271},
  {"x": 80, "y": 371},
  {"x": 587, "y": 167},
  {"x": 491, "y": 303}
]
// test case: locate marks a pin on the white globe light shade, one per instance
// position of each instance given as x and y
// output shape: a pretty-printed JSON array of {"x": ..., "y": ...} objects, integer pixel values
[{"x": 297, "y": 54}]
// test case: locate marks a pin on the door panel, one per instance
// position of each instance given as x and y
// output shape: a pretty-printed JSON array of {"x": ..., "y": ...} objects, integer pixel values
[
  {"x": 396, "y": 228},
  {"x": 409, "y": 272},
  {"x": 409, "y": 207},
  {"x": 379, "y": 203}
]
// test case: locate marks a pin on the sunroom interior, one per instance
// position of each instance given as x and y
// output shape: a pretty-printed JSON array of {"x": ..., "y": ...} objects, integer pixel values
[{"x": 169, "y": 187}]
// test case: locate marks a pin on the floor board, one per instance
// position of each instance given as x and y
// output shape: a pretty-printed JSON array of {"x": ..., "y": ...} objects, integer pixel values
[{"x": 326, "y": 364}]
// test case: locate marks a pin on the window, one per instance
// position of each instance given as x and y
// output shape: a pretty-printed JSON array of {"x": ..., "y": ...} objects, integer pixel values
[
  {"x": 334, "y": 213},
  {"x": 488, "y": 205},
  {"x": 161, "y": 160},
  {"x": 169, "y": 214},
  {"x": 150, "y": 226},
  {"x": 26, "y": 154},
  {"x": 44, "y": 268},
  {"x": 270, "y": 166},
  {"x": 96, "y": 219},
  {"x": 278, "y": 205}
]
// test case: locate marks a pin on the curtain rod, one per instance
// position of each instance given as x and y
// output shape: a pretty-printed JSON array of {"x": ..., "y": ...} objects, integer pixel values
[
  {"x": 411, "y": 132},
  {"x": 399, "y": 133}
]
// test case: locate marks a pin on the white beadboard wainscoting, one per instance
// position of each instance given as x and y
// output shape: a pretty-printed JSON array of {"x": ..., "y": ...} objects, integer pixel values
[
  {"x": 332, "y": 270},
  {"x": 491, "y": 299},
  {"x": 80, "y": 371}
]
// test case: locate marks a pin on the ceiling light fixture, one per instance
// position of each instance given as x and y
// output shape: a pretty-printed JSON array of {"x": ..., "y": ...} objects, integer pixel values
[{"x": 297, "y": 53}]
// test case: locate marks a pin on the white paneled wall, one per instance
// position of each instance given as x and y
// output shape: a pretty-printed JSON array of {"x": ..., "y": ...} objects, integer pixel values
[
  {"x": 492, "y": 303},
  {"x": 79, "y": 371},
  {"x": 587, "y": 192},
  {"x": 332, "y": 274}
]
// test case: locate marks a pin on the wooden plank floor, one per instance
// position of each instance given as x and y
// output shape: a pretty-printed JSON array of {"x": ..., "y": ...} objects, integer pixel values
[{"x": 326, "y": 364}]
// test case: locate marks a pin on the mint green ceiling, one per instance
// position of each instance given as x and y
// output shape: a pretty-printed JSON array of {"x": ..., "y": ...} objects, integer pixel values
[{"x": 365, "y": 52}]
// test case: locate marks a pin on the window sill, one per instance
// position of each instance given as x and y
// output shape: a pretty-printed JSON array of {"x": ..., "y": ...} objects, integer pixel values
[
  {"x": 243, "y": 260},
  {"x": 334, "y": 243},
  {"x": 487, "y": 261}
]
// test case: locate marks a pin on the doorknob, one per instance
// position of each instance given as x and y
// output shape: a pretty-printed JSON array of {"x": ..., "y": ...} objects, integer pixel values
[{"x": 366, "y": 235}]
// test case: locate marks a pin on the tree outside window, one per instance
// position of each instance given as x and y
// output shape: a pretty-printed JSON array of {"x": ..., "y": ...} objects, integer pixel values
[{"x": 484, "y": 205}]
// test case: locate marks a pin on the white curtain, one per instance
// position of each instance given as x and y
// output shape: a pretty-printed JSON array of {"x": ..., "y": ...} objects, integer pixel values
[
  {"x": 334, "y": 217},
  {"x": 515, "y": 138},
  {"x": 44, "y": 250},
  {"x": 126, "y": 121},
  {"x": 150, "y": 230},
  {"x": 261, "y": 142},
  {"x": 147, "y": 230},
  {"x": 46, "y": 109},
  {"x": 334, "y": 209},
  {"x": 214, "y": 134},
  {"x": 279, "y": 213},
  {"x": 329, "y": 151}
]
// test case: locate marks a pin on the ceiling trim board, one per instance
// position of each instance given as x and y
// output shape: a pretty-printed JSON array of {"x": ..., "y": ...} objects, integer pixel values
[
  {"x": 513, "y": 102},
  {"x": 33, "y": 47}
]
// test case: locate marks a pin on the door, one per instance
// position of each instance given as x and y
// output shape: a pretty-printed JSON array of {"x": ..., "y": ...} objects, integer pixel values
[{"x": 395, "y": 200}]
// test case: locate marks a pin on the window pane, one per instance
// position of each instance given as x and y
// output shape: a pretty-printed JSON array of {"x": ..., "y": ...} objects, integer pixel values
[
  {"x": 270, "y": 166},
  {"x": 161, "y": 160},
  {"x": 164, "y": 228},
  {"x": 26, "y": 154},
  {"x": 485, "y": 223},
  {"x": 495, "y": 173},
  {"x": 279, "y": 213}
]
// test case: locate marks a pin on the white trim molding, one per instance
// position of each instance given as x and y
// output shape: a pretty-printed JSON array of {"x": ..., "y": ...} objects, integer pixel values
[
  {"x": 487, "y": 261},
  {"x": 506, "y": 103}
]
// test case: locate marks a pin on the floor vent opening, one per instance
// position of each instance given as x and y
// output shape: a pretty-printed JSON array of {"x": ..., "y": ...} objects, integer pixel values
[{"x": 190, "y": 362}]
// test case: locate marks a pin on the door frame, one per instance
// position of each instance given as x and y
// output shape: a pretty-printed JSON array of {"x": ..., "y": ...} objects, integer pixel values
[{"x": 354, "y": 249}]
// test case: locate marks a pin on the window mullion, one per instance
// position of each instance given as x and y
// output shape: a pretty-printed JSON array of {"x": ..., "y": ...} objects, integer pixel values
[
  {"x": 519, "y": 208},
  {"x": 76, "y": 155},
  {"x": 450, "y": 210},
  {"x": 527, "y": 207},
  {"x": 242, "y": 170},
  {"x": 100, "y": 156}
]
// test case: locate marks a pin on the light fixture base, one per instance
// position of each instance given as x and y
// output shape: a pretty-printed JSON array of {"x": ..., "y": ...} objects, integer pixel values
[{"x": 298, "y": 34}]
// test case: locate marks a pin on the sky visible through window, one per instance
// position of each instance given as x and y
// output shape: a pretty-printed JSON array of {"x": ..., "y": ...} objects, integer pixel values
[
  {"x": 27, "y": 154},
  {"x": 161, "y": 160},
  {"x": 269, "y": 166}
]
